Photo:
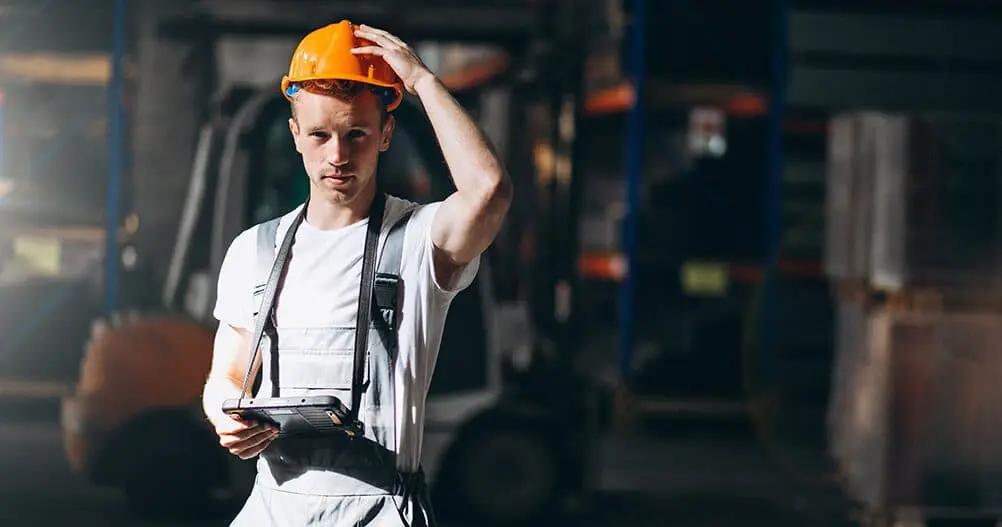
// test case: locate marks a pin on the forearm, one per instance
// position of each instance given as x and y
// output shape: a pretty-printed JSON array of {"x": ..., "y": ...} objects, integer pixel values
[
  {"x": 476, "y": 169},
  {"x": 218, "y": 389},
  {"x": 230, "y": 355}
]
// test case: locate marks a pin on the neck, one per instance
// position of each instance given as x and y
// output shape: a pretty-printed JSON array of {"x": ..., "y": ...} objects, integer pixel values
[{"x": 326, "y": 214}]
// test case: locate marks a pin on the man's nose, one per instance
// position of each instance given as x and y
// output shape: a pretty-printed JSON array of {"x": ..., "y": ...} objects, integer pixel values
[{"x": 337, "y": 152}]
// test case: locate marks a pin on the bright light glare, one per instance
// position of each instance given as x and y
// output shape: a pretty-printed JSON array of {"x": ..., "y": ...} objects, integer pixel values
[{"x": 6, "y": 186}]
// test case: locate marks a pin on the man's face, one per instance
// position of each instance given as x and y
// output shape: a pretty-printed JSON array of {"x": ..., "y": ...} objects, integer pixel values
[{"x": 340, "y": 140}]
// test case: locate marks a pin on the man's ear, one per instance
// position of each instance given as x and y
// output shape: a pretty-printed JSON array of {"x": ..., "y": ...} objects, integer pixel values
[
  {"x": 294, "y": 130},
  {"x": 387, "y": 134}
]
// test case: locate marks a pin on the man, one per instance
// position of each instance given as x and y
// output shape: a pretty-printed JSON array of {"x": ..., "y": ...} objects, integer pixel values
[{"x": 343, "y": 83}]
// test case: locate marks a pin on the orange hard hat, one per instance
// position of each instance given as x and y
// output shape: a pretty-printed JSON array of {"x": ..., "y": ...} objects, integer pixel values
[{"x": 325, "y": 55}]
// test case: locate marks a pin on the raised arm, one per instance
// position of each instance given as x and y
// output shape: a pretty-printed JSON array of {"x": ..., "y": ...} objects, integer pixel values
[{"x": 469, "y": 219}]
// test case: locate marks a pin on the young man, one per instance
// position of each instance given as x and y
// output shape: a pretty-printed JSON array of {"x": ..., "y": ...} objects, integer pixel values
[{"x": 343, "y": 83}]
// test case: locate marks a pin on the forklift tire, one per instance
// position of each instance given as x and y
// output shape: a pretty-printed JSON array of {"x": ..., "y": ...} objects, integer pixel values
[
  {"x": 169, "y": 465},
  {"x": 164, "y": 489},
  {"x": 505, "y": 475}
]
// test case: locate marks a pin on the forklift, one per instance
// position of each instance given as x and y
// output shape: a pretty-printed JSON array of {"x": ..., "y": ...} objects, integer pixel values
[{"x": 134, "y": 420}]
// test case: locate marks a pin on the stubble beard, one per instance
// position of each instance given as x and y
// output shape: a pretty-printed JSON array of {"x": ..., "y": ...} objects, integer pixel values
[{"x": 341, "y": 197}]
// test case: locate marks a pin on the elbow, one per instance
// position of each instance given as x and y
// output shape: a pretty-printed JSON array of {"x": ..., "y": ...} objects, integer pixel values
[
  {"x": 496, "y": 196},
  {"x": 485, "y": 197}
]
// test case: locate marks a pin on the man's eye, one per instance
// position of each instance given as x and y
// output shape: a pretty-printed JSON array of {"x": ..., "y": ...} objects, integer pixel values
[
  {"x": 356, "y": 134},
  {"x": 320, "y": 135}
]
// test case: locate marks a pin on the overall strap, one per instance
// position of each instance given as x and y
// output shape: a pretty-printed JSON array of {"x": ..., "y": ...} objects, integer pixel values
[
  {"x": 364, "y": 317},
  {"x": 271, "y": 287},
  {"x": 388, "y": 289},
  {"x": 393, "y": 247},
  {"x": 266, "y": 234}
]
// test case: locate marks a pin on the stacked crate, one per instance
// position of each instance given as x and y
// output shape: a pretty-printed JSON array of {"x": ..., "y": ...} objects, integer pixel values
[
  {"x": 914, "y": 251},
  {"x": 913, "y": 203}
]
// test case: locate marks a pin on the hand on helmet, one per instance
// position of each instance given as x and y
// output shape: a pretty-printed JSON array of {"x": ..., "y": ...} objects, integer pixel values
[{"x": 397, "y": 54}]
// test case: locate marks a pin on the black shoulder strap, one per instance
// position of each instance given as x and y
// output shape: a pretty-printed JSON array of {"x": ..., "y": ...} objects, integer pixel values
[
  {"x": 270, "y": 291},
  {"x": 364, "y": 317}
]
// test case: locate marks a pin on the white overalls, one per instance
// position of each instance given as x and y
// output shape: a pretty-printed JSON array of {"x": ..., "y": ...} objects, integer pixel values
[{"x": 335, "y": 480}]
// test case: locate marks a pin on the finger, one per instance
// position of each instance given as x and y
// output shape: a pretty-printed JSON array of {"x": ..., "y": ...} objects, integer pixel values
[
  {"x": 369, "y": 50},
  {"x": 376, "y": 38},
  {"x": 226, "y": 426},
  {"x": 251, "y": 448},
  {"x": 248, "y": 450},
  {"x": 390, "y": 36},
  {"x": 257, "y": 430},
  {"x": 235, "y": 419},
  {"x": 253, "y": 451},
  {"x": 240, "y": 432},
  {"x": 243, "y": 444},
  {"x": 232, "y": 439}
]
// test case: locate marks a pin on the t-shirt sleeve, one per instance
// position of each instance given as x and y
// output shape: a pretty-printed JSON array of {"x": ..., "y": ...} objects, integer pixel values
[
  {"x": 432, "y": 299},
  {"x": 235, "y": 288},
  {"x": 423, "y": 218}
]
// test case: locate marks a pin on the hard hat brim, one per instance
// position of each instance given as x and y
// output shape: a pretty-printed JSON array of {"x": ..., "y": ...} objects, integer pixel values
[{"x": 356, "y": 78}]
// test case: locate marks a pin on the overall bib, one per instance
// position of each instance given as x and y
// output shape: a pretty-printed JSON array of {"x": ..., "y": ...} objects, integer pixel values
[{"x": 336, "y": 480}]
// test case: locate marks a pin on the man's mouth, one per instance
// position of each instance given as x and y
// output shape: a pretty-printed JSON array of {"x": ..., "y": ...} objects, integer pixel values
[{"x": 337, "y": 179}]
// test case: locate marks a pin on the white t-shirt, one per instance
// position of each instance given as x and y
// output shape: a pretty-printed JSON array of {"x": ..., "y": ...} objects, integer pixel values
[{"x": 321, "y": 289}]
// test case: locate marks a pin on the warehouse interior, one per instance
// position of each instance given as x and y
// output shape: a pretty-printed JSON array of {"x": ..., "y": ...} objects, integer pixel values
[{"x": 751, "y": 270}]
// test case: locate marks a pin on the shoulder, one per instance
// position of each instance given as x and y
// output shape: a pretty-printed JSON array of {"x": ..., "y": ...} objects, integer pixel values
[
  {"x": 397, "y": 208},
  {"x": 420, "y": 213},
  {"x": 243, "y": 243},
  {"x": 280, "y": 225},
  {"x": 416, "y": 236},
  {"x": 246, "y": 243}
]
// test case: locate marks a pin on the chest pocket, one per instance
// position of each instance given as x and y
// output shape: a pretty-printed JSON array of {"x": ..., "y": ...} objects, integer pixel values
[{"x": 317, "y": 360}]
